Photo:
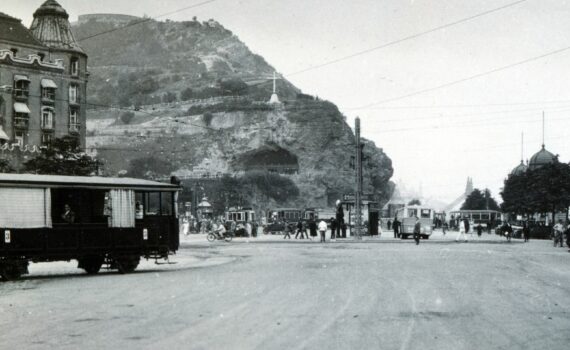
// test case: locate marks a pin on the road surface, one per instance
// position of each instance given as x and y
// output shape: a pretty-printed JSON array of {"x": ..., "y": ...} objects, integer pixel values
[{"x": 268, "y": 293}]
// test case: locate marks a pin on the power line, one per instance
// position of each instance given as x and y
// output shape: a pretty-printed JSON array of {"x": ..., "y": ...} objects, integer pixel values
[
  {"x": 413, "y": 36},
  {"x": 144, "y": 20},
  {"x": 455, "y": 82}
]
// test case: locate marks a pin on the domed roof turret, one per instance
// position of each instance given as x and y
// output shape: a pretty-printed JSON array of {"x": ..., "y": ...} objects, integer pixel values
[
  {"x": 51, "y": 27},
  {"x": 541, "y": 158},
  {"x": 519, "y": 169}
]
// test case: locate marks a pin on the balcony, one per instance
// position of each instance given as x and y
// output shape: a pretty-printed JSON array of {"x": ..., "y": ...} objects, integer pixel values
[
  {"x": 74, "y": 128},
  {"x": 21, "y": 122},
  {"x": 47, "y": 126}
]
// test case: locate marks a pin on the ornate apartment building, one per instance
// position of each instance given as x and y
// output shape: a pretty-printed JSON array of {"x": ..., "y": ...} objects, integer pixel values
[{"x": 43, "y": 81}]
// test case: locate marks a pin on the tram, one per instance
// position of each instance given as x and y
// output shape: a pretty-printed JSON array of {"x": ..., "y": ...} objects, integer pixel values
[
  {"x": 94, "y": 220},
  {"x": 276, "y": 219},
  {"x": 480, "y": 217},
  {"x": 407, "y": 216},
  {"x": 241, "y": 217}
]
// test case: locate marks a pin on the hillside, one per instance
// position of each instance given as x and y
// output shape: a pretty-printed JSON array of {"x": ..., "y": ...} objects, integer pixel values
[{"x": 296, "y": 153}]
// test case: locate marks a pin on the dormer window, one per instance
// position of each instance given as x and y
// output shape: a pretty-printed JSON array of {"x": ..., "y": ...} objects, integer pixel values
[
  {"x": 48, "y": 90},
  {"x": 73, "y": 94},
  {"x": 42, "y": 56},
  {"x": 14, "y": 51},
  {"x": 74, "y": 66},
  {"x": 21, "y": 86}
]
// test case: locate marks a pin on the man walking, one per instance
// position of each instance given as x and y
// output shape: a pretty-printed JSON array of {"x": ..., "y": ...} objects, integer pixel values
[
  {"x": 323, "y": 230},
  {"x": 287, "y": 229},
  {"x": 461, "y": 231},
  {"x": 417, "y": 230}
]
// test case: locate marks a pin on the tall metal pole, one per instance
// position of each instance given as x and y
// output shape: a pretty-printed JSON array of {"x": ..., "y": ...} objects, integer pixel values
[{"x": 358, "y": 191}]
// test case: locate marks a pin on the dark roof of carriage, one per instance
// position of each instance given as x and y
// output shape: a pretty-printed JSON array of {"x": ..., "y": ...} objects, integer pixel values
[{"x": 31, "y": 180}]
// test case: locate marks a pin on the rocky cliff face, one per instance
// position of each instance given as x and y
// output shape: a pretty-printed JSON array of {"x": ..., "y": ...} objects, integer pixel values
[{"x": 305, "y": 140}]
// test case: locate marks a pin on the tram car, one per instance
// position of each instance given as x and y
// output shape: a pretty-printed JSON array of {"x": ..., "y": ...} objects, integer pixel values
[
  {"x": 276, "y": 218},
  {"x": 241, "y": 216},
  {"x": 94, "y": 220}
]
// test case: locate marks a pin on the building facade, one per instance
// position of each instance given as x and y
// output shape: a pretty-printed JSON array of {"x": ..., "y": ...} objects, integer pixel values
[{"x": 43, "y": 81}]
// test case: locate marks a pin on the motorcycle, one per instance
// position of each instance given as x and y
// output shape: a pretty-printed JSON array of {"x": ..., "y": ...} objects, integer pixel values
[{"x": 212, "y": 236}]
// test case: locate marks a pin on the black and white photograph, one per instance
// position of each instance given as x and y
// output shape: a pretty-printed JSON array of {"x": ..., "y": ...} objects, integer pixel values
[{"x": 296, "y": 174}]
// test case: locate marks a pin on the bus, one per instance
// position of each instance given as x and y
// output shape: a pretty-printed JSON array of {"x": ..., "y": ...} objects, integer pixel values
[
  {"x": 94, "y": 220},
  {"x": 407, "y": 216}
]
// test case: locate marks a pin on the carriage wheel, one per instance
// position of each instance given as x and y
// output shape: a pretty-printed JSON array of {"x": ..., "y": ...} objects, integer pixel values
[
  {"x": 11, "y": 271},
  {"x": 91, "y": 264},
  {"x": 127, "y": 264}
]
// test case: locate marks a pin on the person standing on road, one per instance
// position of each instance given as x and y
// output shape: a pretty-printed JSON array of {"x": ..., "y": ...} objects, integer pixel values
[
  {"x": 396, "y": 227},
  {"x": 339, "y": 218},
  {"x": 312, "y": 228},
  {"x": 300, "y": 230},
  {"x": 323, "y": 230},
  {"x": 479, "y": 230},
  {"x": 417, "y": 230},
  {"x": 526, "y": 231},
  {"x": 287, "y": 229},
  {"x": 461, "y": 231},
  {"x": 558, "y": 234},
  {"x": 334, "y": 224}
]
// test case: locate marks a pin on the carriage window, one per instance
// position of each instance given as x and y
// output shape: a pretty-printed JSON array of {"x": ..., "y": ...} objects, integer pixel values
[
  {"x": 484, "y": 216},
  {"x": 152, "y": 205},
  {"x": 412, "y": 212},
  {"x": 426, "y": 213},
  {"x": 139, "y": 206},
  {"x": 166, "y": 204},
  {"x": 476, "y": 216}
]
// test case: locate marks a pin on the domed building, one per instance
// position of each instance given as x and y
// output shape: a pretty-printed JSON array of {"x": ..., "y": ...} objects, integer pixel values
[
  {"x": 541, "y": 158},
  {"x": 519, "y": 169},
  {"x": 43, "y": 84}
]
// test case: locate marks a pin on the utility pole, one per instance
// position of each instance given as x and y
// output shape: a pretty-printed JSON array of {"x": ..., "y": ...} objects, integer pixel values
[{"x": 358, "y": 191}]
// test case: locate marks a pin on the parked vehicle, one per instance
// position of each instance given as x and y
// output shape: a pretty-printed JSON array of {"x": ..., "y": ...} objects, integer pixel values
[
  {"x": 407, "y": 216},
  {"x": 94, "y": 220}
]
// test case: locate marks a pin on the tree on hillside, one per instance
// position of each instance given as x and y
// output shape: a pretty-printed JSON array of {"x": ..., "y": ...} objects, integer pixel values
[
  {"x": 415, "y": 202},
  {"x": 127, "y": 117},
  {"x": 478, "y": 200},
  {"x": 63, "y": 157},
  {"x": 168, "y": 97},
  {"x": 150, "y": 168},
  {"x": 187, "y": 94}
]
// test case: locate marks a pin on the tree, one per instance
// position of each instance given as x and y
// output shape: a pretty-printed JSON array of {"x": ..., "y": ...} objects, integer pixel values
[
  {"x": 127, "y": 117},
  {"x": 5, "y": 166},
  {"x": 168, "y": 97},
  {"x": 63, "y": 157},
  {"x": 187, "y": 94},
  {"x": 478, "y": 200},
  {"x": 415, "y": 202},
  {"x": 542, "y": 190},
  {"x": 150, "y": 167}
]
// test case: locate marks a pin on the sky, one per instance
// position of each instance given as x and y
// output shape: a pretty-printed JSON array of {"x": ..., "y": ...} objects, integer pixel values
[{"x": 440, "y": 104}]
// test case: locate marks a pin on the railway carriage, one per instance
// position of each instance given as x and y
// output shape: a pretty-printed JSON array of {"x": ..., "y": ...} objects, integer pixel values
[{"x": 94, "y": 220}]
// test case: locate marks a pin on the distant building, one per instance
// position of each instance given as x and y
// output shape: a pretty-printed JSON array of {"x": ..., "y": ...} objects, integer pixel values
[{"x": 43, "y": 80}]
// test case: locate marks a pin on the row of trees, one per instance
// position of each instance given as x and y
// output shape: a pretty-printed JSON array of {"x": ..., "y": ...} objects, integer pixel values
[
  {"x": 542, "y": 190},
  {"x": 480, "y": 200}
]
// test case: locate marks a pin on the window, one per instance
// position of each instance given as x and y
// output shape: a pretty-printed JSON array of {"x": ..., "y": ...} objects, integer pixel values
[
  {"x": 426, "y": 213},
  {"x": 42, "y": 56},
  {"x": 73, "y": 96},
  {"x": 47, "y": 118},
  {"x": 19, "y": 138},
  {"x": 152, "y": 205},
  {"x": 73, "y": 121},
  {"x": 47, "y": 139},
  {"x": 48, "y": 89},
  {"x": 21, "y": 86},
  {"x": 74, "y": 66},
  {"x": 14, "y": 51}
]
